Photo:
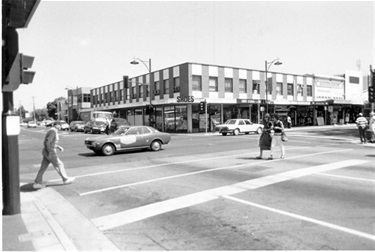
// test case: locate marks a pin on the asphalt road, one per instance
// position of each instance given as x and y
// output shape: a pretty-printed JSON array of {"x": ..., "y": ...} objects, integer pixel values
[{"x": 208, "y": 192}]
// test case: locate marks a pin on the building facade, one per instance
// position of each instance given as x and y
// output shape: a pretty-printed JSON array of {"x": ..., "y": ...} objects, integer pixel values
[
  {"x": 79, "y": 99},
  {"x": 169, "y": 99}
]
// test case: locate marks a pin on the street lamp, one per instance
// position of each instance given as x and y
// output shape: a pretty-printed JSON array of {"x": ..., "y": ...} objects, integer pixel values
[
  {"x": 267, "y": 67},
  {"x": 136, "y": 61}
]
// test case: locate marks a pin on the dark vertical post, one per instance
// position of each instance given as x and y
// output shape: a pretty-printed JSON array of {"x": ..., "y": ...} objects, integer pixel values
[{"x": 10, "y": 161}]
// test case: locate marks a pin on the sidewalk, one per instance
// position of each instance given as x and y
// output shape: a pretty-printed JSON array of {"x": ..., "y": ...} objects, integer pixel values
[{"x": 50, "y": 222}]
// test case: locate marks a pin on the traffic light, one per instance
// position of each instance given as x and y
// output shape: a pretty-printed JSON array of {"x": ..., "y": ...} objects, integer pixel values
[
  {"x": 371, "y": 94},
  {"x": 18, "y": 73},
  {"x": 202, "y": 107}
]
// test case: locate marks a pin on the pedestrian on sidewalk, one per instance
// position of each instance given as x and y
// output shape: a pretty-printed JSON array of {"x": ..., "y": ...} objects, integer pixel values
[
  {"x": 289, "y": 121},
  {"x": 265, "y": 138},
  {"x": 278, "y": 128},
  {"x": 49, "y": 153},
  {"x": 362, "y": 125},
  {"x": 372, "y": 126}
]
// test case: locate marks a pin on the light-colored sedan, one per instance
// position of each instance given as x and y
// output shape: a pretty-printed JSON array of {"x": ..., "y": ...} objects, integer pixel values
[
  {"x": 31, "y": 124},
  {"x": 128, "y": 138},
  {"x": 236, "y": 126}
]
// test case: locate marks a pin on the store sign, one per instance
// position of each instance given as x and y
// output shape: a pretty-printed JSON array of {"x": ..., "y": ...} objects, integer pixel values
[
  {"x": 248, "y": 101},
  {"x": 187, "y": 99}
]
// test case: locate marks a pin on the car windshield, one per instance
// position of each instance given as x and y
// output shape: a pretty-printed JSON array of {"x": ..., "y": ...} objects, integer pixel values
[
  {"x": 98, "y": 123},
  {"x": 230, "y": 122},
  {"x": 121, "y": 130}
]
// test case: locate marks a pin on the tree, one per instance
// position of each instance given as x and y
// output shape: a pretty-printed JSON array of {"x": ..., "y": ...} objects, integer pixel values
[
  {"x": 41, "y": 114},
  {"x": 52, "y": 109},
  {"x": 21, "y": 112}
]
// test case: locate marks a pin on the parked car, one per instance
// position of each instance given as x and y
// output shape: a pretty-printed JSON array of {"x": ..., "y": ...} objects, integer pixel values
[
  {"x": 64, "y": 125},
  {"x": 31, "y": 124},
  {"x": 236, "y": 126},
  {"x": 77, "y": 126},
  {"x": 94, "y": 127},
  {"x": 128, "y": 138}
]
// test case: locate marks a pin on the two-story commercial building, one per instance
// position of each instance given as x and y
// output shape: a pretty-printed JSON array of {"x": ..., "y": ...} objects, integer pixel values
[{"x": 175, "y": 93}]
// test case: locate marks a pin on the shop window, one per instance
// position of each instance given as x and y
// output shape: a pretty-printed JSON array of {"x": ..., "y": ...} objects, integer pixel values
[
  {"x": 256, "y": 87},
  {"x": 243, "y": 86},
  {"x": 213, "y": 84},
  {"x": 290, "y": 89},
  {"x": 197, "y": 83},
  {"x": 181, "y": 118},
  {"x": 228, "y": 85}
]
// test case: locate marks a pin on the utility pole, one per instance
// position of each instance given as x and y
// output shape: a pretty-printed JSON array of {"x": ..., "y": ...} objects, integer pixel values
[{"x": 34, "y": 109}]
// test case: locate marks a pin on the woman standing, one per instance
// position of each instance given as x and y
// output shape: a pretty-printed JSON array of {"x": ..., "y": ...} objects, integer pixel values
[
  {"x": 278, "y": 127},
  {"x": 265, "y": 138}
]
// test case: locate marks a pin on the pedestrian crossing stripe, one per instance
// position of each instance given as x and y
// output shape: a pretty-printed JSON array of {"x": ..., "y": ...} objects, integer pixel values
[{"x": 147, "y": 211}]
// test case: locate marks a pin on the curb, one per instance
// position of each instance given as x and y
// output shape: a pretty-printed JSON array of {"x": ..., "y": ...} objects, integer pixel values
[{"x": 53, "y": 223}]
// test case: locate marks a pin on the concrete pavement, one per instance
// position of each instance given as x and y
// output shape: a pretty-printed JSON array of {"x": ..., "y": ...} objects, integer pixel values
[{"x": 48, "y": 221}]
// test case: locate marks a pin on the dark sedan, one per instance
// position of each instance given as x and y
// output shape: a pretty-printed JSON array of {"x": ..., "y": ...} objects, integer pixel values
[
  {"x": 94, "y": 127},
  {"x": 128, "y": 138}
]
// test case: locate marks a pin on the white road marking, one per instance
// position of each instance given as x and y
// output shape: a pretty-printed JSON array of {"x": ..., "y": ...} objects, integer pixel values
[
  {"x": 346, "y": 177},
  {"x": 198, "y": 172},
  {"x": 300, "y": 217},
  {"x": 143, "y": 212}
]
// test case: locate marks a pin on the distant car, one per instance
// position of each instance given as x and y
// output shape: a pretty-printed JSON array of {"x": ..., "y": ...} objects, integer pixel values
[
  {"x": 94, "y": 127},
  {"x": 31, "y": 124},
  {"x": 64, "y": 125},
  {"x": 128, "y": 138},
  {"x": 236, "y": 126},
  {"x": 49, "y": 123},
  {"x": 77, "y": 126}
]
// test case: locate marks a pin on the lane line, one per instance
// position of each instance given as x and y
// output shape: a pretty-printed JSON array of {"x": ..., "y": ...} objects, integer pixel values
[
  {"x": 303, "y": 218},
  {"x": 202, "y": 171},
  {"x": 346, "y": 177},
  {"x": 154, "y": 209}
]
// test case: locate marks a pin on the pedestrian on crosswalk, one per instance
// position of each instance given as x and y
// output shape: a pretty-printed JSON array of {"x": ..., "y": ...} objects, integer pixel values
[
  {"x": 362, "y": 125},
  {"x": 49, "y": 153}
]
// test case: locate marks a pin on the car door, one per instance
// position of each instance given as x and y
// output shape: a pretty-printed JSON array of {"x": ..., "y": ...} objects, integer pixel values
[
  {"x": 249, "y": 126},
  {"x": 132, "y": 138},
  {"x": 242, "y": 126}
]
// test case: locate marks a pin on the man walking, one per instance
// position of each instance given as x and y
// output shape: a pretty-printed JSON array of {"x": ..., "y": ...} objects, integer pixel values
[
  {"x": 362, "y": 126},
  {"x": 50, "y": 156}
]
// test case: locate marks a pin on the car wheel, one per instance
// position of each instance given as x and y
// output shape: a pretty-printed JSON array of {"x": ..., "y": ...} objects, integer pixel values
[
  {"x": 156, "y": 145},
  {"x": 108, "y": 149},
  {"x": 224, "y": 134},
  {"x": 259, "y": 130},
  {"x": 236, "y": 132}
]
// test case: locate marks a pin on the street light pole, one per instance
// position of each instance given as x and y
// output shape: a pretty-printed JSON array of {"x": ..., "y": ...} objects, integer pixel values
[
  {"x": 136, "y": 62},
  {"x": 267, "y": 67}
]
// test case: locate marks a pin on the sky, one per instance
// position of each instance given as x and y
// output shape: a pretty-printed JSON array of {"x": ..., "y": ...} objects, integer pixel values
[{"x": 91, "y": 43}]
